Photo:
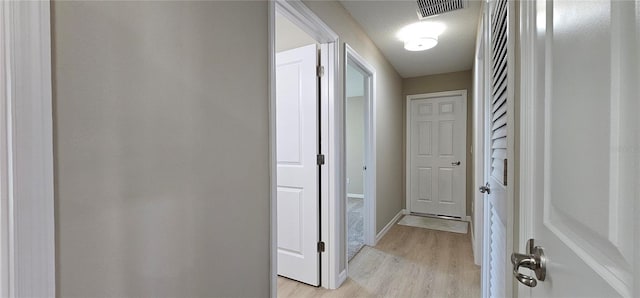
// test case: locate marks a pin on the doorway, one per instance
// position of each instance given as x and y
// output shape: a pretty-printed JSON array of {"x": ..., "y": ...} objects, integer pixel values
[
  {"x": 359, "y": 82},
  {"x": 325, "y": 245}
]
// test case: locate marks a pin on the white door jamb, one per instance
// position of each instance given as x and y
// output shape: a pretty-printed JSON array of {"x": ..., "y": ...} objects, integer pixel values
[{"x": 27, "y": 253}]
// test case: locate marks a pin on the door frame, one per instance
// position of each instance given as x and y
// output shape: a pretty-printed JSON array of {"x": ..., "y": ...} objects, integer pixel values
[
  {"x": 331, "y": 136},
  {"x": 26, "y": 140},
  {"x": 463, "y": 93},
  {"x": 528, "y": 98},
  {"x": 352, "y": 56},
  {"x": 479, "y": 89}
]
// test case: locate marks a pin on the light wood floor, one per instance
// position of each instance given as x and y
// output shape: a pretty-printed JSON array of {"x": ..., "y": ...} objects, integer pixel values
[{"x": 407, "y": 262}]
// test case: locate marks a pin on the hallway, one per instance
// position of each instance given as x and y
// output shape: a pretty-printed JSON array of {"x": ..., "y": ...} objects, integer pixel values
[{"x": 407, "y": 262}]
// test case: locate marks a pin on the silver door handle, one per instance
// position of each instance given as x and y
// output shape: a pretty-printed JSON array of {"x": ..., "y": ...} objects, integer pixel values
[
  {"x": 456, "y": 163},
  {"x": 535, "y": 260},
  {"x": 485, "y": 188}
]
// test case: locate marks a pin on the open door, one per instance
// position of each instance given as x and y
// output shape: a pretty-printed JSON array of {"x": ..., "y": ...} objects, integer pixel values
[
  {"x": 498, "y": 134},
  {"x": 297, "y": 144},
  {"x": 581, "y": 193}
]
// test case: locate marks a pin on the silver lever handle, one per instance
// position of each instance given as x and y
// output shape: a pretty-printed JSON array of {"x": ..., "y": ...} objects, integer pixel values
[
  {"x": 457, "y": 163},
  {"x": 534, "y": 260},
  {"x": 485, "y": 189}
]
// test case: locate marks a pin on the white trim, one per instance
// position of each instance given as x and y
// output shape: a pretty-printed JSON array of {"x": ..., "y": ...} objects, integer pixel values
[
  {"x": 473, "y": 243},
  {"x": 461, "y": 92},
  {"x": 527, "y": 77},
  {"x": 390, "y": 224},
  {"x": 26, "y": 138},
  {"x": 355, "y": 195},
  {"x": 273, "y": 167},
  {"x": 511, "y": 92},
  {"x": 478, "y": 140},
  {"x": 351, "y": 56},
  {"x": 342, "y": 277},
  {"x": 486, "y": 92},
  {"x": 331, "y": 107}
]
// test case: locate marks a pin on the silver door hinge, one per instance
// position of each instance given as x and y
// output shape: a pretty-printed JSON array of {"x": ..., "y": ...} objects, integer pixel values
[
  {"x": 320, "y": 246},
  {"x": 320, "y": 159},
  {"x": 320, "y": 71},
  {"x": 504, "y": 177}
]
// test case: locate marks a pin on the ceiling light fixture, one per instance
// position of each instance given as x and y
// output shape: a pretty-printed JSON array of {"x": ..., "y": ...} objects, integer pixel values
[
  {"x": 420, "y": 44},
  {"x": 420, "y": 36}
]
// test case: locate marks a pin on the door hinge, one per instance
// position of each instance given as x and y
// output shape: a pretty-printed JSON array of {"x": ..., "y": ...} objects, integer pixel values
[
  {"x": 320, "y": 246},
  {"x": 320, "y": 71},
  {"x": 320, "y": 159},
  {"x": 504, "y": 177}
]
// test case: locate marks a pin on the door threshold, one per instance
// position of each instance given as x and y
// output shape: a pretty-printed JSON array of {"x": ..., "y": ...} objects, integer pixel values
[{"x": 439, "y": 216}]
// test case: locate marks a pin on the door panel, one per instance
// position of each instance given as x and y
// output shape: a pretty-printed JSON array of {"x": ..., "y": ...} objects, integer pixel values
[
  {"x": 437, "y": 141},
  {"x": 297, "y": 147},
  {"x": 584, "y": 217},
  {"x": 498, "y": 147}
]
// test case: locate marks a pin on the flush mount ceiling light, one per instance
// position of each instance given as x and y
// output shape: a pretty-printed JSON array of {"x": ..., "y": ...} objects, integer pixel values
[
  {"x": 420, "y": 36},
  {"x": 420, "y": 44}
]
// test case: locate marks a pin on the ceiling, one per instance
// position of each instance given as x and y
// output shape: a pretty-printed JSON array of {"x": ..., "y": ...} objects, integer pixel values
[{"x": 454, "y": 52}]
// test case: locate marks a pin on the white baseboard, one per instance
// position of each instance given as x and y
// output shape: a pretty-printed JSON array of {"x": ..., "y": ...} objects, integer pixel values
[
  {"x": 355, "y": 195},
  {"x": 477, "y": 259},
  {"x": 390, "y": 224},
  {"x": 342, "y": 277}
]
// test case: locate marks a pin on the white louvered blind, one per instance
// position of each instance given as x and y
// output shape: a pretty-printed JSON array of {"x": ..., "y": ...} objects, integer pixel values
[{"x": 499, "y": 91}]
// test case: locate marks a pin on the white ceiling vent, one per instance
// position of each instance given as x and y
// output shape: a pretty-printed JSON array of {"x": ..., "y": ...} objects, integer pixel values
[{"x": 429, "y": 8}]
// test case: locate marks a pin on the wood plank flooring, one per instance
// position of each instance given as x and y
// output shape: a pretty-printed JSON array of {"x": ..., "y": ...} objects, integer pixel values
[{"x": 407, "y": 262}]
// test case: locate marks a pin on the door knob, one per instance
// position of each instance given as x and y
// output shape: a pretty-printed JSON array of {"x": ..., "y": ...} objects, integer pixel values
[
  {"x": 535, "y": 260},
  {"x": 485, "y": 188},
  {"x": 456, "y": 163}
]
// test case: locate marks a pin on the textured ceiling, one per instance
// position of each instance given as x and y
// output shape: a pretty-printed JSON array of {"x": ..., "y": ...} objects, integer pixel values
[{"x": 454, "y": 52}]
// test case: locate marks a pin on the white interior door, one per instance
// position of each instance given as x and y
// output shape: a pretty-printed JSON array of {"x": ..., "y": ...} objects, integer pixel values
[
  {"x": 498, "y": 151},
  {"x": 585, "y": 183},
  {"x": 297, "y": 149},
  {"x": 437, "y": 141}
]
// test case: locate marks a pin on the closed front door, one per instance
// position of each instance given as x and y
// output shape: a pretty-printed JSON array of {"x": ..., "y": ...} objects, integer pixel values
[
  {"x": 297, "y": 149},
  {"x": 585, "y": 198},
  {"x": 436, "y": 150}
]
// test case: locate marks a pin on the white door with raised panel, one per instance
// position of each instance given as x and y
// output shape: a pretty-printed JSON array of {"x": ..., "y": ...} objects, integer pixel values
[
  {"x": 584, "y": 137},
  {"x": 297, "y": 149},
  {"x": 436, "y": 164}
]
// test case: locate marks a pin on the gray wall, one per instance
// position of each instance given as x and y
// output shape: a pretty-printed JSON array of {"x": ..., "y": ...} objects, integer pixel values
[
  {"x": 289, "y": 36},
  {"x": 161, "y": 149},
  {"x": 390, "y": 162},
  {"x": 355, "y": 144},
  {"x": 447, "y": 82}
]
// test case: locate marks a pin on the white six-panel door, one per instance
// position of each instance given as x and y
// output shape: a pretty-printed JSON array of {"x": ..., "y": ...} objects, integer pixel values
[
  {"x": 436, "y": 150},
  {"x": 584, "y": 137},
  {"x": 297, "y": 148}
]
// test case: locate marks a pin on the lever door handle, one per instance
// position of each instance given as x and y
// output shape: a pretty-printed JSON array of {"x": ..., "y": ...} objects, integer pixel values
[{"x": 535, "y": 260}]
